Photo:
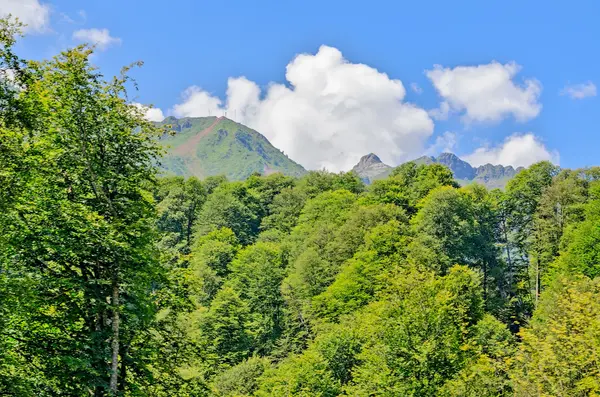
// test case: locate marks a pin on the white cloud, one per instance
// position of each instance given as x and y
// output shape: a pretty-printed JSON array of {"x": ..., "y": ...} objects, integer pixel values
[
  {"x": 197, "y": 103},
  {"x": 518, "y": 150},
  {"x": 580, "y": 91},
  {"x": 331, "y": 113},
  {"x": 35, "y": 15},
  {"x": 416, "y": 88},
  {"x": 487, "y": 93},
  {"x": 444, "y": 143},
  {"x": 151, "y": 113},
  {"x": 99, "y": 37},
  {"x": 442, "y": 112}
]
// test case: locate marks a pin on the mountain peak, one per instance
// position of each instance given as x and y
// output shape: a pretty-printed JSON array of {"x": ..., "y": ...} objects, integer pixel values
[
  {"x": 370, "y": 166},
  {"x": 207, "y": 146},
  {"x": 460, "y": 168},
  {"x": 368, "y": 160},
  {"x": 448, "y": 156}
]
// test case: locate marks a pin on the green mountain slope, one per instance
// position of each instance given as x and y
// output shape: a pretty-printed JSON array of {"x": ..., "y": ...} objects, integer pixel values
[{"x": 207, "y": 146}]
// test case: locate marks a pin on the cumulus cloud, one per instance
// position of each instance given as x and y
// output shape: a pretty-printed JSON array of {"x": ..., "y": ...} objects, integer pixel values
[
  {"x": 487, "y": 93},
  {"x": 197, "y": 103},
  {"x": 443, "y": 143},
  {"x": 580, "y": 91},
  {"x": 329, "y": 114},
  {"x": 32, "y": 13},
  {"x": 442, "y": 112},
  {"x": 151, "y": 113},
  {"x": 518, "y": 150},
  {"x": 99, "y": 37}
]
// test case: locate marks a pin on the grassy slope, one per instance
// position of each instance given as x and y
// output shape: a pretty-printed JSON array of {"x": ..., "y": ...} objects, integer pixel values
[{"x": 228, "y": 148}]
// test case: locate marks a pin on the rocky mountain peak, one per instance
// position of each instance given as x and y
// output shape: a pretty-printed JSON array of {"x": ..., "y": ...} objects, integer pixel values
[
  {"x": 369, "y": 166},
  {"x": 460, "y": 168},
  {"x": 448, "y": 157},
  {"x": 368, "y": 160}
]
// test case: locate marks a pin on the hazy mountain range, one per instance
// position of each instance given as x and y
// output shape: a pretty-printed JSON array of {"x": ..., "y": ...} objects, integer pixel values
[
  {"x": 207, "y": 146},
  {"x": 371, "y": 168}
]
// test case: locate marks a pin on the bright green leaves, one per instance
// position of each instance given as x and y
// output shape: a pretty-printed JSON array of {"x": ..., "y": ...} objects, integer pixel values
[
  {"x": 76, "y": 222},
  {"x": 560, "y": 350}
]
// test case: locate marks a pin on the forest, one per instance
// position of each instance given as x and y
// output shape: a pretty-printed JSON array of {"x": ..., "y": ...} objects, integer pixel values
[{"x": 118, "y": 281}]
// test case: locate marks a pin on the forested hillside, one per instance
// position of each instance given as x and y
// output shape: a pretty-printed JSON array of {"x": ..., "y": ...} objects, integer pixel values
[{"x": 115, "y": 282}]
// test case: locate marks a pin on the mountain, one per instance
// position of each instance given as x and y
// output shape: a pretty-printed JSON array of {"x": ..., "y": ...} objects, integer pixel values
[
  {"x": 371, "y": 167},
  {"x": 493, "y": 176},
  {"x": 207, "y": 146}
]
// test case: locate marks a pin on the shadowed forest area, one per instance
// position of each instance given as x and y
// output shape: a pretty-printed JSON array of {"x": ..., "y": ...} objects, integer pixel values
[{"x": 116, "y": 281}]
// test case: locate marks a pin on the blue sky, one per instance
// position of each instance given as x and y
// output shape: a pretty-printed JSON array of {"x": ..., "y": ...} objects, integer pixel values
[{"x": 540, "y": 102}]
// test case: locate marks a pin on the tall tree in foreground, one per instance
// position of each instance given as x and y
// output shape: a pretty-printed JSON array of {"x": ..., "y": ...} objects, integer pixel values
[{"x": 79, "y": 232}]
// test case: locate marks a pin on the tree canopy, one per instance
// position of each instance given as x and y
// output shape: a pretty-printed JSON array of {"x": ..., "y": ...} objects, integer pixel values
[{"x": 118, "y": 280}]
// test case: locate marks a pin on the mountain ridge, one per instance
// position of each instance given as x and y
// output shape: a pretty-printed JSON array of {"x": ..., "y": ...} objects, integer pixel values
[
  {"x": 371, "y": 168},
  {"x": 209, "y": 146}
]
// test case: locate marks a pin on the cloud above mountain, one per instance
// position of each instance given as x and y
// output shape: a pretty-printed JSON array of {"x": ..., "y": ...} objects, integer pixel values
[
  {"x": 329, "y": 114},
  {"x": 151, "y": 113},
  {"x": 485, "y": 93},
  {"x": 331, "y": 111},
  {"x": 518, "y": 150}
]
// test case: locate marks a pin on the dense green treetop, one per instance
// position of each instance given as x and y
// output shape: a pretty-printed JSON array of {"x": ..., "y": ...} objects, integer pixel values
[{"x": 117, "y": 282}]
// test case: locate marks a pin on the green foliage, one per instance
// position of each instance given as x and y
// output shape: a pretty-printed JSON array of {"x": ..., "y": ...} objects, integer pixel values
[
  {"x": 303, "y": 376},
  {"x": 257, "y": 273},
  {"x": 241, "y": 380},
  {"x": 114, "y": 283},
  {"x": 209, "y": 264},
  {"x": 230, "y": 208},
  {"x": 179, "y": 202},
  {"x": 284, "y": 210},
  {"x": 560, "y": 350},
  {"x": 524, "y": 193},
  {"x": 417, "y": 338},
  {"x": 224, "y": 328},
  {"x": 75, "y": 227},
  {"x": 582, "y": 241},
  {"x": 486, "y": 372},
  {"x": 410, "y": 183},
  {"x": 457, "y": 226},
  {"x": 361, "y": 277}
]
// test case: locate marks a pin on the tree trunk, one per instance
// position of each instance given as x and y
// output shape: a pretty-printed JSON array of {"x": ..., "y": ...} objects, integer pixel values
[
  {"x": 537, "y": 279},
  {"x": 123, "y": 368},
  {"x": 485, "y": 284},
  {"x": 115, "y": 339},
  {"x": 507, "y": 244}
]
